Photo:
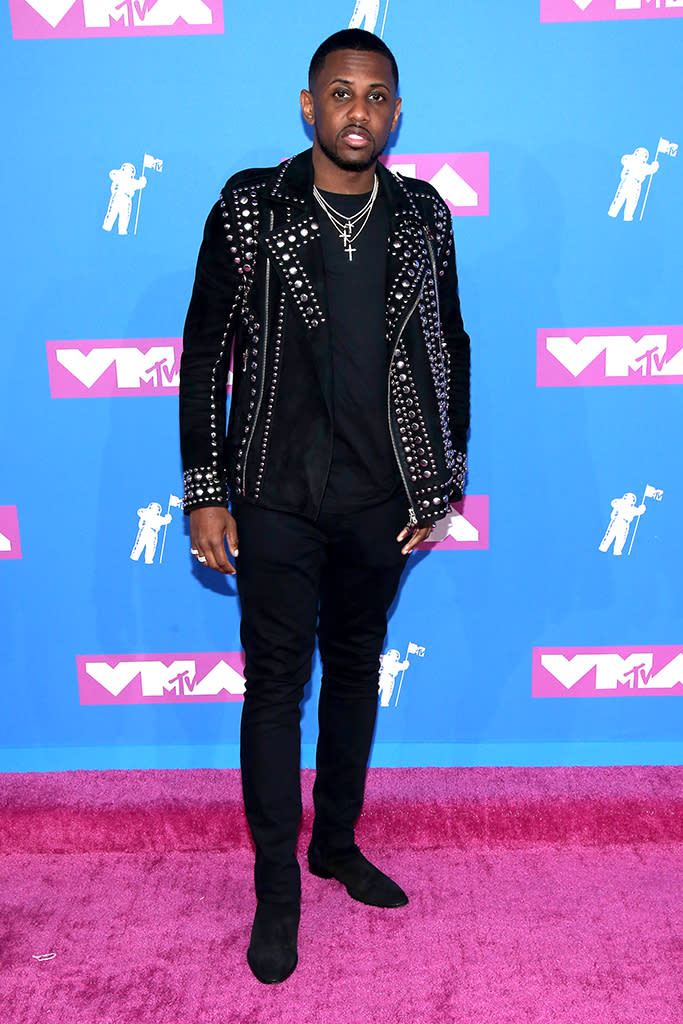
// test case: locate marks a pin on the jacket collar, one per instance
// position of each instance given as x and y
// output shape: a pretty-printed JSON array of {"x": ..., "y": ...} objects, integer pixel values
[{"x": 292, "y": 183}]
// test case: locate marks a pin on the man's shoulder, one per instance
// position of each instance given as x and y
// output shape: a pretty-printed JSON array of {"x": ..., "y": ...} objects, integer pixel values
[
  {"x": 421, "y": 190},
  {"x": 250, "y": 177},
  {"x": 426, "y": 197},
  {"x": 293, "y": 170}
]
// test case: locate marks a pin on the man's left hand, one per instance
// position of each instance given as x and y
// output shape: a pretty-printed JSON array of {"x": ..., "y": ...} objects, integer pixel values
[{"x": 417, "y": 535}]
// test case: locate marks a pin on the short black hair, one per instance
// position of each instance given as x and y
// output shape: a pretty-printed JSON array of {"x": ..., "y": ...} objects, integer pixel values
[{"x": 351, "y": 39}]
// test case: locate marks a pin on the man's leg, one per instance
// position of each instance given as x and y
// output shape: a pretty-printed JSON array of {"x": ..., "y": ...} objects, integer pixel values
[
  {"x": 358, "y": 585},
  {"x": 278, "y": 572}
]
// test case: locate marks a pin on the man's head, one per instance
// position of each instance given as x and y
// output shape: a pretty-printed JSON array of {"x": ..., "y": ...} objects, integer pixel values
[
  {"x": 351, "y": 100},
  {"x": 350, "y": 39}
]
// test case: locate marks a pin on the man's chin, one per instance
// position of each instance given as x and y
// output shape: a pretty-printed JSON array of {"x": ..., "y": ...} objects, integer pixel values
[
  {"x": 357, "y": 164},
  {"x": 363, "y": 164}
]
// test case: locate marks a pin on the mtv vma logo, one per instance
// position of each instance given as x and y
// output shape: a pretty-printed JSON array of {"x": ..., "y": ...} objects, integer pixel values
[
  {"x": 608, "y": 10},
  {"x": 123, "y": 187},
  {"x": 82, "y": 19},
  {"x": 626, "y": 510},
  {"x": 599, "y": 356},
  {"x": 107, "y": 368},
  {"x": 151, "y": 519},
  {"x": 161, "y": 678},
  {"x": 366, "y": 15},
  {"x": 461, "y": 179},
  {"x": 390, "y": 665},
  {"x": 10, "y": 544},
  {"x": 465, "y": 528},
  {"x": 607, "y": 672}
]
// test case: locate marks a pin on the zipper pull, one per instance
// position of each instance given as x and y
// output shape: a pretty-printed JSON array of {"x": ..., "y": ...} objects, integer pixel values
[{"x": 244, "y": 361}]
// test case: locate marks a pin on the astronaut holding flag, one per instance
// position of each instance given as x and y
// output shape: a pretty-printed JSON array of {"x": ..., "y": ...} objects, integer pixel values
[
  {"x": 150, "y": 521},
  {"x": 390, "y": 666},
  {"x": 124, "y": 185},
  {"x": 635, "y": 169},
  {"x": 624, "y": 511}
]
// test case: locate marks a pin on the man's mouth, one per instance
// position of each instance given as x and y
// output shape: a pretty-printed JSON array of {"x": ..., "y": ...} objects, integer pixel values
[{"x": 356, "y": 137}]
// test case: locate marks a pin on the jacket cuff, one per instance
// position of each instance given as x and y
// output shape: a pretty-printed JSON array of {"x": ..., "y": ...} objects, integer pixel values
[
  {"x": 459, "y": 474},
  {"x": 204, "y": 487}
]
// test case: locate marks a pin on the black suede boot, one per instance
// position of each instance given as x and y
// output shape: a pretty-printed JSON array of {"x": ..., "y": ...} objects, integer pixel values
[
  {"x": 272, "y": 953},
  {"x": 364, "y": 882}
]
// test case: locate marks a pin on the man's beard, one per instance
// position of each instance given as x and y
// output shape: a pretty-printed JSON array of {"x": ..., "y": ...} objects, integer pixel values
[{"x": 349, "y": 165}]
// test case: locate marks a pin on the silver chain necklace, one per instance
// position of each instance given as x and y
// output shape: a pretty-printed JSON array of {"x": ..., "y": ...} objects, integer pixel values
[{"x": 345, "y": 226}]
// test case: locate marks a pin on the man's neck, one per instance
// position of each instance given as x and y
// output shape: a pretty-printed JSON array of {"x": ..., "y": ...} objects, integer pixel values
[{"x": 330, "y": 178}]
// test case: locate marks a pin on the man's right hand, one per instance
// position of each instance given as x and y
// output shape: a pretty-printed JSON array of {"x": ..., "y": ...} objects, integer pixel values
[{"x": 209, "y": 530}]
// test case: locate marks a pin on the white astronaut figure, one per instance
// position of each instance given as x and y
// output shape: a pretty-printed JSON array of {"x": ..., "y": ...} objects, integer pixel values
[
  {"x": 624, "y": 511},
  {"x": 365, "y": 10},
  {"x": 150, "y": 521},
  {"x": 635, "y": 170},
  {"x": 391, "y": 665},
  {"x": 124, "y": 185}
]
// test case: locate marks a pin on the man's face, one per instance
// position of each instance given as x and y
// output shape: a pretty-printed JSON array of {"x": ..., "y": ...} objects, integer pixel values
[{"x": 353, "y": 107}]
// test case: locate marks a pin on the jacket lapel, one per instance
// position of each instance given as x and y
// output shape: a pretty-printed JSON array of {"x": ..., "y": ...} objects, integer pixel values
[
  {"x": 295, "y": 251},
  {"x": 407, "y": 253}
]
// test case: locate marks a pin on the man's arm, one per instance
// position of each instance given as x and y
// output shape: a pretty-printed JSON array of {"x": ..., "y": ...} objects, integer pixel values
[
  {"x": 457, "y": 344},
  {"x": 207, "y": 345}
]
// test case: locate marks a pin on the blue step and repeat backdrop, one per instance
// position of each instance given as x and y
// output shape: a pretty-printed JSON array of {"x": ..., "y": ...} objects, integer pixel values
[{"x": 542, "y": 624}]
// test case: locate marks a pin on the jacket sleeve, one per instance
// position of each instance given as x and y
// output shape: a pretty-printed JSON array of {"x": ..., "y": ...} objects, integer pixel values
[
  {"x": 457, "y": 344},
  {"x": 207, "y": 347}
]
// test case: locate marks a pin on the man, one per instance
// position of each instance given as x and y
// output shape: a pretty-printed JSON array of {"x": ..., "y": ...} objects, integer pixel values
[{"x": 333, "y": 285}]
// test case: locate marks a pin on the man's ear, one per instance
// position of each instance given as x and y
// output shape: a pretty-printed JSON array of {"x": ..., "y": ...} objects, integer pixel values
[
  {"x": 306, "y": 100},
  {"x": 397, "y": 111}
]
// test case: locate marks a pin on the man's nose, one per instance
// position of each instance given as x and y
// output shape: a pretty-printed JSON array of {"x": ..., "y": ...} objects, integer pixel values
[{"x": 359, "y": 110}]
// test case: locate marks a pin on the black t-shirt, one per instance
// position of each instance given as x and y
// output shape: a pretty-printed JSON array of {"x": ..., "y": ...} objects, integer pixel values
[{"x": 363, "y": 470}]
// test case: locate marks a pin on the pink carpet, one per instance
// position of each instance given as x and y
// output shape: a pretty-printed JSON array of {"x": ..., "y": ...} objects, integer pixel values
[{"x": 538, "y": 896}]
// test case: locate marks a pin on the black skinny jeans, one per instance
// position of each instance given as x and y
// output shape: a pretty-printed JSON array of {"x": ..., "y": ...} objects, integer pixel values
[{"x": 337, "y": 576}]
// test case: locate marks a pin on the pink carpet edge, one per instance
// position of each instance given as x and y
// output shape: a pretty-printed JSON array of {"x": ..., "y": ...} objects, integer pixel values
[{"x": 201, "y": 809}]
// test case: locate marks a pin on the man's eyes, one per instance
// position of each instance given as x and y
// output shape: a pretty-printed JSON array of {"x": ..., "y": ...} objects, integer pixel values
[{"x": 342, "y": 94}]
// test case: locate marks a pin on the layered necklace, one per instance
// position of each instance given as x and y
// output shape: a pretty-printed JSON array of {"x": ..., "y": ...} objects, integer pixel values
[{"x": 349, "y": 228}]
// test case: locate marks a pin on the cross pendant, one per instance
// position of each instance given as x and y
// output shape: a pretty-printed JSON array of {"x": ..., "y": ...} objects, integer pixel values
[{"x": 350, "y": 250}]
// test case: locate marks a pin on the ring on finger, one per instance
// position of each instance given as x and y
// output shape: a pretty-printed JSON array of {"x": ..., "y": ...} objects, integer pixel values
[
  {"x": 194, "y": 551},
  {"x": 201, "y": 558}
]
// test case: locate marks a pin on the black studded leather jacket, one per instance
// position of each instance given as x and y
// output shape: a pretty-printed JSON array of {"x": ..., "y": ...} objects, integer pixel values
[{"x": 259, "y": 306}]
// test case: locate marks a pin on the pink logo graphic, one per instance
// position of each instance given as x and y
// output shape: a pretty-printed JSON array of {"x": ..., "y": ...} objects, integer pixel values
[
  {"x": 109, "y": 368},
  {"x": 595, "y": 356},
  {"x": 609, "y": 10},
  {"x": 607, "y": 671},
  {"x": 85, "y": 19},
  {"x": 105, "y": 369},
  {"x": 462, "y": 179},
  {"x": 161, "y": 678},
  {"x": 465, "y": 528},
  {"x": 10, "y": 544}
]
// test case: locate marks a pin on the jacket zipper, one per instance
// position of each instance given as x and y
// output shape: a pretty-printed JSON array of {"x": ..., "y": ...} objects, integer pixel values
[
  {"x": 263, "y": 367},
  {"x": 436, "y": 286},
  {"x": 412, "y": 516}
]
